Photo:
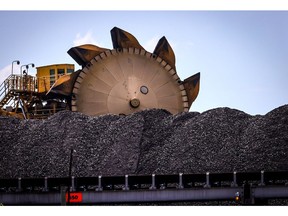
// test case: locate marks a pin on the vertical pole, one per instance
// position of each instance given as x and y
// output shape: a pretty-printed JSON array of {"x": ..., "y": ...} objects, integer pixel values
[
  {"x": 126, "y": 183},
  {"x": 180, "y": 185},
  {"x": 207, "y": 185},
  {"x": 99, "y": 188},
  {"x": 234, "y": 183},
  {"x": 153, "y": 187},
  {"x": 262, "y": 179},
  {"x": 17, "y": 62}
]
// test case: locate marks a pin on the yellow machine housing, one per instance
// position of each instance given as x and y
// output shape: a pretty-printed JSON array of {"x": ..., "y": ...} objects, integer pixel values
[{"x": 47, "y": 75}]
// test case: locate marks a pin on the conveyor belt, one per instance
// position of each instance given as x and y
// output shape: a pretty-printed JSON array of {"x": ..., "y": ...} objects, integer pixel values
[{"x": 246, "y": 188}]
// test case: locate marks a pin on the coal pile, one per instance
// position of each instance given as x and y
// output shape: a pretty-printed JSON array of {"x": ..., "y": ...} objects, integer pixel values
[{"x": 146, "y": 142}]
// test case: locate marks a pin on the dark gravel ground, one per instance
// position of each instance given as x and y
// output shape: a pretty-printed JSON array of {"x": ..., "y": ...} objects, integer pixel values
[{"x": 150, "y": 141}]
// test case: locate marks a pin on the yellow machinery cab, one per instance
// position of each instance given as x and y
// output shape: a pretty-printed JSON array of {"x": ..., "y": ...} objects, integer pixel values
[{"x": 47, "y": 75}]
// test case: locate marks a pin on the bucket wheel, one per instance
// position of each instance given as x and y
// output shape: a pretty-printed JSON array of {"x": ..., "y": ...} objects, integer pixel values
[{"x": 128, "y": 78}]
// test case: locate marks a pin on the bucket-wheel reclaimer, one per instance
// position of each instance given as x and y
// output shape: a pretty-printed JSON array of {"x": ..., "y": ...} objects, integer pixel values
[{"x": 126, "y": 79}]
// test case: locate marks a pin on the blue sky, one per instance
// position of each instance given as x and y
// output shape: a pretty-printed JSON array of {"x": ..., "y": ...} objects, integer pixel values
[{"x": 242, "y": 55}]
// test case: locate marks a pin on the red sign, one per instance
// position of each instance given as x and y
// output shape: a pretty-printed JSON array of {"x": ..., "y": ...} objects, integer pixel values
[{"x": 75, "y": 197}]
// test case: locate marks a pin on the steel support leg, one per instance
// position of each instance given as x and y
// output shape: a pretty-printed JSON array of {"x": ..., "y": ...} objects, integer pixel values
[
  {"x": 99, "y": 188},
  {"x": 126, "y": 187},
  {"x": 207, "y": 185},
  {"x": 153, "y": 186}
]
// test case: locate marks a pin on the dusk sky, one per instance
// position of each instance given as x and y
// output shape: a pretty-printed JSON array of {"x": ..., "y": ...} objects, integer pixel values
[{"x": 242, "y": 55}]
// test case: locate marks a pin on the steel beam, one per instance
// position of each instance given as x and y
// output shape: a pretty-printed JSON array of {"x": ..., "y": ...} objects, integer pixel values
[
  {"x": 137, "y": 196},
  {"x": 31, "y": 198},
  {"x": 167, "y": 195},
  {"x": 270, "y": 192}
]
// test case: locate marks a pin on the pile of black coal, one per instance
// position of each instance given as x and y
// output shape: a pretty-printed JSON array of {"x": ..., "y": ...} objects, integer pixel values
[{"x": 146, "y": 142}]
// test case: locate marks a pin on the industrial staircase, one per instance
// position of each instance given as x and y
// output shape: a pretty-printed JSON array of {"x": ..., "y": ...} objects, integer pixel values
[
  {"x": 14, "y": 91},
  {"x": 6, "y": 90},
  {"x": 15, "y": 84}
]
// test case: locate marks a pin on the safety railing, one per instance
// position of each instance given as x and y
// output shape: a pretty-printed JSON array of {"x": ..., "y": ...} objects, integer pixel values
[
  {"x": 44, "y": 112},
  {"x": 16, "y": 83}
]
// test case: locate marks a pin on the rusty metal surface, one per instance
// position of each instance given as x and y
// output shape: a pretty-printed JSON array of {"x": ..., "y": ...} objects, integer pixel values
[
  {"x": 122, "y": 39},
  {"x": 192, "y": 85},
  {"x": 165, "y": 51},
  {"x": 64, "y": 85},
  {"x": 85, "y": 53}
]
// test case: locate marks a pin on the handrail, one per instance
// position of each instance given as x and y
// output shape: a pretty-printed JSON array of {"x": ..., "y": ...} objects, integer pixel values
[
  {"x": 4, "y": 86},
  {"x": 17, "y": 82},
  {"x": 44, "y": 112}
]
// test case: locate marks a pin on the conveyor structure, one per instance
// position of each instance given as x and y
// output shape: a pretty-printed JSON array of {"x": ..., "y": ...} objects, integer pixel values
[{"x": 253, "y": 188}]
